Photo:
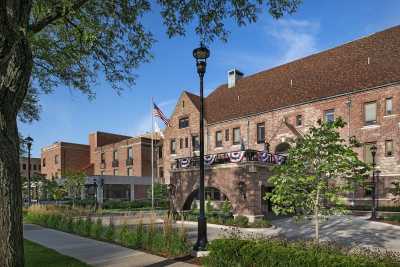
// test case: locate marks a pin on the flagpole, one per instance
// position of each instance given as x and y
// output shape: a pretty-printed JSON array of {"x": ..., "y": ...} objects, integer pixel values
[{"x": 152, "y": 154}]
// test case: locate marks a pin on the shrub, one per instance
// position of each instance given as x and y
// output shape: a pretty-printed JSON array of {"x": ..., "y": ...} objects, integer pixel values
[
  {"x": 97, "y": 229},
  {"x": 110, "y": 232},
  {"x": 237, "y": 252},
  {"x": 241, "y": 221},
  {"x": 260, "y": 224},
  {"x": 394, "y": 218}
]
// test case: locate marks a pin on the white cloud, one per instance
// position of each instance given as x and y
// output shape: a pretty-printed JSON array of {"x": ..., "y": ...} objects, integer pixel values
[
  {"x": 297, "y": 38},
  {"x": 289, "y": 39}
]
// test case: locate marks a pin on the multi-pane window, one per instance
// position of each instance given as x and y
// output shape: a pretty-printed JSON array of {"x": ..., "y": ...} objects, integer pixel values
[
  {"x": 115, "y": 172},
  {"x": 195, "y": 142},
  {"x": 173, "y": 146},
  {"x": 56, "y": 159},
  {"x": 130, "y": 153},
  {"x": 180, "y": 143},
  {"x": 218, "y": 139},
  {"x": 367, "y": 152},
  {"x": 329, "y": 115},
  {"x": 260, "y": 133},
  {"x": 44, "y": 162},
  {"x": 370, "y": 113},
  {"x": 389, "y": 106},
  {"x": 103, "y": 157},
  {"x": 227, "y": 135},
  {"x": 183, "y": 122},
  {"x": 236, "y": 136},
  {"x": 115, "y": 155},
  {"x": 389, "y": 148},
  {"x": 129, "y": 171},
  {"x": 186, "y": 142},
  {"x": 299, "y": 120}
]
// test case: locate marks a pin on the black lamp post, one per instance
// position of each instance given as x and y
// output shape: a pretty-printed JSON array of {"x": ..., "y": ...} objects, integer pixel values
[
  {"x": 201, "y": 54},
  {"x": 29, "y": 141},
  {"x": 373, "y": 212}
]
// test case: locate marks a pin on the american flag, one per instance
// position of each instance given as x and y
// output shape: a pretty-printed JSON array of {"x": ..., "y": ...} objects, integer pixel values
[{"x": 158, "y": 113}]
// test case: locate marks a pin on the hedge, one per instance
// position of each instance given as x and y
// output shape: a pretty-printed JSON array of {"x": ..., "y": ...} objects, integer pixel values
[{"x": 235, "y": 252}]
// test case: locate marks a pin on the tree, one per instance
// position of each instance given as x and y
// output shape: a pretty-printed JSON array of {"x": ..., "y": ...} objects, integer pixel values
[
  {"x": 47, "y": 43},
  {"x": 320, "y": 169},
  {"x": 74, "y": 183},
  {"x": 395, "y": 191}
]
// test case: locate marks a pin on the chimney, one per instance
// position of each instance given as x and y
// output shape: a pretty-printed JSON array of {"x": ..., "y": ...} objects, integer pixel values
[{"x": 233, "y": 76}]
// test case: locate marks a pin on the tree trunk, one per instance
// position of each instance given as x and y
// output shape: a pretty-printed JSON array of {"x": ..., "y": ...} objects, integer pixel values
[
  {"x": 15, "y": 71},
  {"x": 316, "y": 217}
]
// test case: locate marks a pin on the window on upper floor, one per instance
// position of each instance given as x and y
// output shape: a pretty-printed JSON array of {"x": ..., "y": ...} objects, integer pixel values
[
  {"x": 260, "y": 133},
  {"x": 56, "y": 159},
  {"x": 329, "y": 115},
  {"x": 129, "y": 171},
  {"x": 186, "y": 142},
  {"x": 389, "y": 106},
  {"x": 183, "y": 122},
  {"x": 161, "y": 172},
  {"x": 103, "y": 157},
  {"x": 130, "y": 152},
  {"x": 195, "y": 143},
  {"x": 34, "y": 167},
  {"x": 299, "y": 120},
  {"x": 370, "y": 113},
  {"x": 236, "y": 136},
  {"x": 367, "y": 152},
  {"x": 218, "y": 139},
  {"x": 160, "y": 152},
  {"x": 173, "y": 146},
  {"x": 44, "y": 162},
  {"x": 389, "y": 148},
  {"x": 115, "y": 154},
  {"x": 227, "y": 135},
  {"x": 24, "y": 166},
  {"x": 180, "y": 143}
]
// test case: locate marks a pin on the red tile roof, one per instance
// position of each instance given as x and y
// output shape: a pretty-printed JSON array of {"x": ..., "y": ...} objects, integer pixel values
[{"x": 368, "y": 62}]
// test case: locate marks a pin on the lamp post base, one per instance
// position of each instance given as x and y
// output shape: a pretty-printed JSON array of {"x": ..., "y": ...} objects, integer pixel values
[{"x": 201, "y": 244}]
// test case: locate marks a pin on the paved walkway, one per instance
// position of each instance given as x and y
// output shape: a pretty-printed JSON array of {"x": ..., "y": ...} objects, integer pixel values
[
  {"x": 93, "y": 252},
  {"x": 347, "y": 230}
]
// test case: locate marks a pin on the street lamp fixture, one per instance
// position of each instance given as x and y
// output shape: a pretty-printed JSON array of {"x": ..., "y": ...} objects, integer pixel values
[
  {"x": 373, "y": 153},
  {"x": 28, "y": 142},
  {"x": 201, "y": 54}
]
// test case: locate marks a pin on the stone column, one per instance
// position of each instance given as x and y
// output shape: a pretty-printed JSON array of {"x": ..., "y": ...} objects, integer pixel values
[{"x": 132, "y": 192}]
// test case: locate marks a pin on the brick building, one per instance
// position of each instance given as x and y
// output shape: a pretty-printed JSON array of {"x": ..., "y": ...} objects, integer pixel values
[
  {"x": 120, "y": 155},
  {"x": 61, "y": 157},
  {"x": 358, "y": 81},
  {"x": 35, "y": 166}
]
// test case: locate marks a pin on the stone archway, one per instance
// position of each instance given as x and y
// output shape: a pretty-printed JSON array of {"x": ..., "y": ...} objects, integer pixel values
[
  {"x": 218, "y": 195},
  {"x": 282, "y": 148}
]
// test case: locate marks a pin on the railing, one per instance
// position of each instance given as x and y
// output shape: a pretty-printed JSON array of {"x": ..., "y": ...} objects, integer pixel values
[{"x": 248, "y": 155}]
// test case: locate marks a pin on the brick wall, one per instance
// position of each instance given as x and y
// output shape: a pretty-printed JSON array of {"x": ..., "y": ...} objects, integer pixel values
[
  {"x": 35, "y": 166},
  {"x": 70, "y": 157}
]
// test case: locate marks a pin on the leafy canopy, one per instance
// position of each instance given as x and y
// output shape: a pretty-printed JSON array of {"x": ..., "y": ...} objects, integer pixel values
[
  {"x": 73, "y": 41},
  {"x": 320, "y": 169}
]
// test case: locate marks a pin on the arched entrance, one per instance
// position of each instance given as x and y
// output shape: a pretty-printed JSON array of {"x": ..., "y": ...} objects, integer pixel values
[
  {"x": 282, "y": 148},
  {"x": 211, "y": 194}
]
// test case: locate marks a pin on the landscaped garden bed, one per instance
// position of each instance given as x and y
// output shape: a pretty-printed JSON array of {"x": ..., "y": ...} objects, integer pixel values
[
  {"x": 165, "y": 241},
  {"x": 277, "y": 253}
]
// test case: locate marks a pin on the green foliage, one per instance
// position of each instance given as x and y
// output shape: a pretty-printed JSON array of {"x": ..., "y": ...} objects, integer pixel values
[
  {"x": 209, "y": 206},
  {"x": 395, "y": 191},
  {"x": 73, "y": 41},
  {"x": 133, "y": 205},
  {"x": 110, "y": 232},
  {"x": 241, "y": 221},
  {"x": 39, "y": 256},
  {"x": 275, "y": 253},
  {"x": 74, "y": 183},
  {"x": 320, "y": 169},
  {"x": 226, "y": 207}
]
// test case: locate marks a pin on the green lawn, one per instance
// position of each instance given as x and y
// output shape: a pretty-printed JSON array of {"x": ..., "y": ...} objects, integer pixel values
[{"x": 39, "y": 256}]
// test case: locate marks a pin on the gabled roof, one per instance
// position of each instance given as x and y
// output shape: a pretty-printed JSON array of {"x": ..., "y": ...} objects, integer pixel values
[
  {"x": 194, "y": 98},
  {"x": 365, "y": 63}
]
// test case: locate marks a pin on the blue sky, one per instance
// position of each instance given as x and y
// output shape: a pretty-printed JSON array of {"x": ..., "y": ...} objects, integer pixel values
[{"x": 318, "y": 25}]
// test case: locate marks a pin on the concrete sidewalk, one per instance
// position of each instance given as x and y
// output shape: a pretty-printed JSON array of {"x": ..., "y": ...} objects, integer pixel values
[{"x": 93, "y": 252}]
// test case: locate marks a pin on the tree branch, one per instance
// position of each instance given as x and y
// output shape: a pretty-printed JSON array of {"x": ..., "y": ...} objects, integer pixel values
[{"x": 57, "y": 13}]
